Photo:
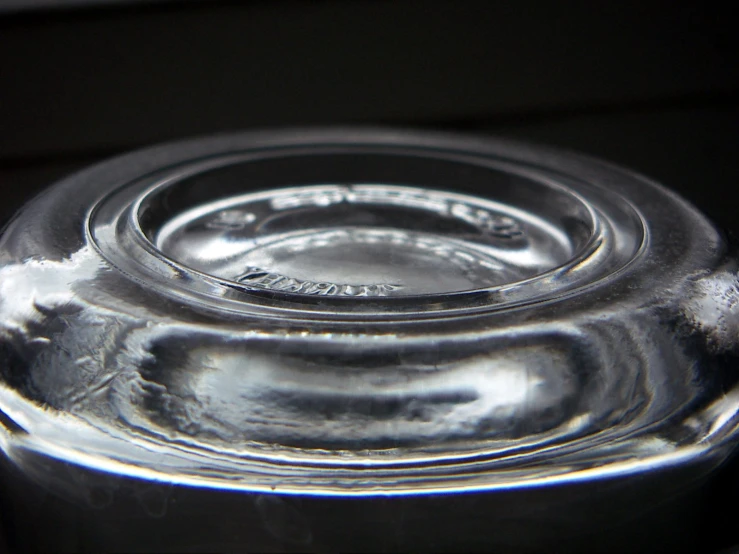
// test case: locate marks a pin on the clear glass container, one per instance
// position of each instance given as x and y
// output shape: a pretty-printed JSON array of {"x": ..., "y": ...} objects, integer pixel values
[{"x": 363, "y": 340}]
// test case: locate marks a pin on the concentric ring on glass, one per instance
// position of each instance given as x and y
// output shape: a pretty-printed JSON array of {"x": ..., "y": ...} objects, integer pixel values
[{"x": 390, "y": 248}]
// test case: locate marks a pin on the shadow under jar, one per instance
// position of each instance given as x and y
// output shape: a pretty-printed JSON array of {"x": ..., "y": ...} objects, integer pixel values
[{"x": 363, "y": 340}]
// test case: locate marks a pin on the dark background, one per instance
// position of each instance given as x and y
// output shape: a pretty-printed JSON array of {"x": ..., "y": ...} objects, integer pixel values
[{"x": 650, "y": 85}]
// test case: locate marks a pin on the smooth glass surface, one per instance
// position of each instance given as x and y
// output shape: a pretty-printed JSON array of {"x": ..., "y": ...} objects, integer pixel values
[{"x": 367, "y": 317}]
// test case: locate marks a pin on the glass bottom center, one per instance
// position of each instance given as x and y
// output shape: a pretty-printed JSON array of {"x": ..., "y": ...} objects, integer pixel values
[{"x": 364, "y": 240}]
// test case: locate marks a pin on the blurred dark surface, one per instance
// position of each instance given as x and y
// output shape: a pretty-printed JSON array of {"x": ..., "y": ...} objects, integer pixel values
[{"x": 653, "y": 86}]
